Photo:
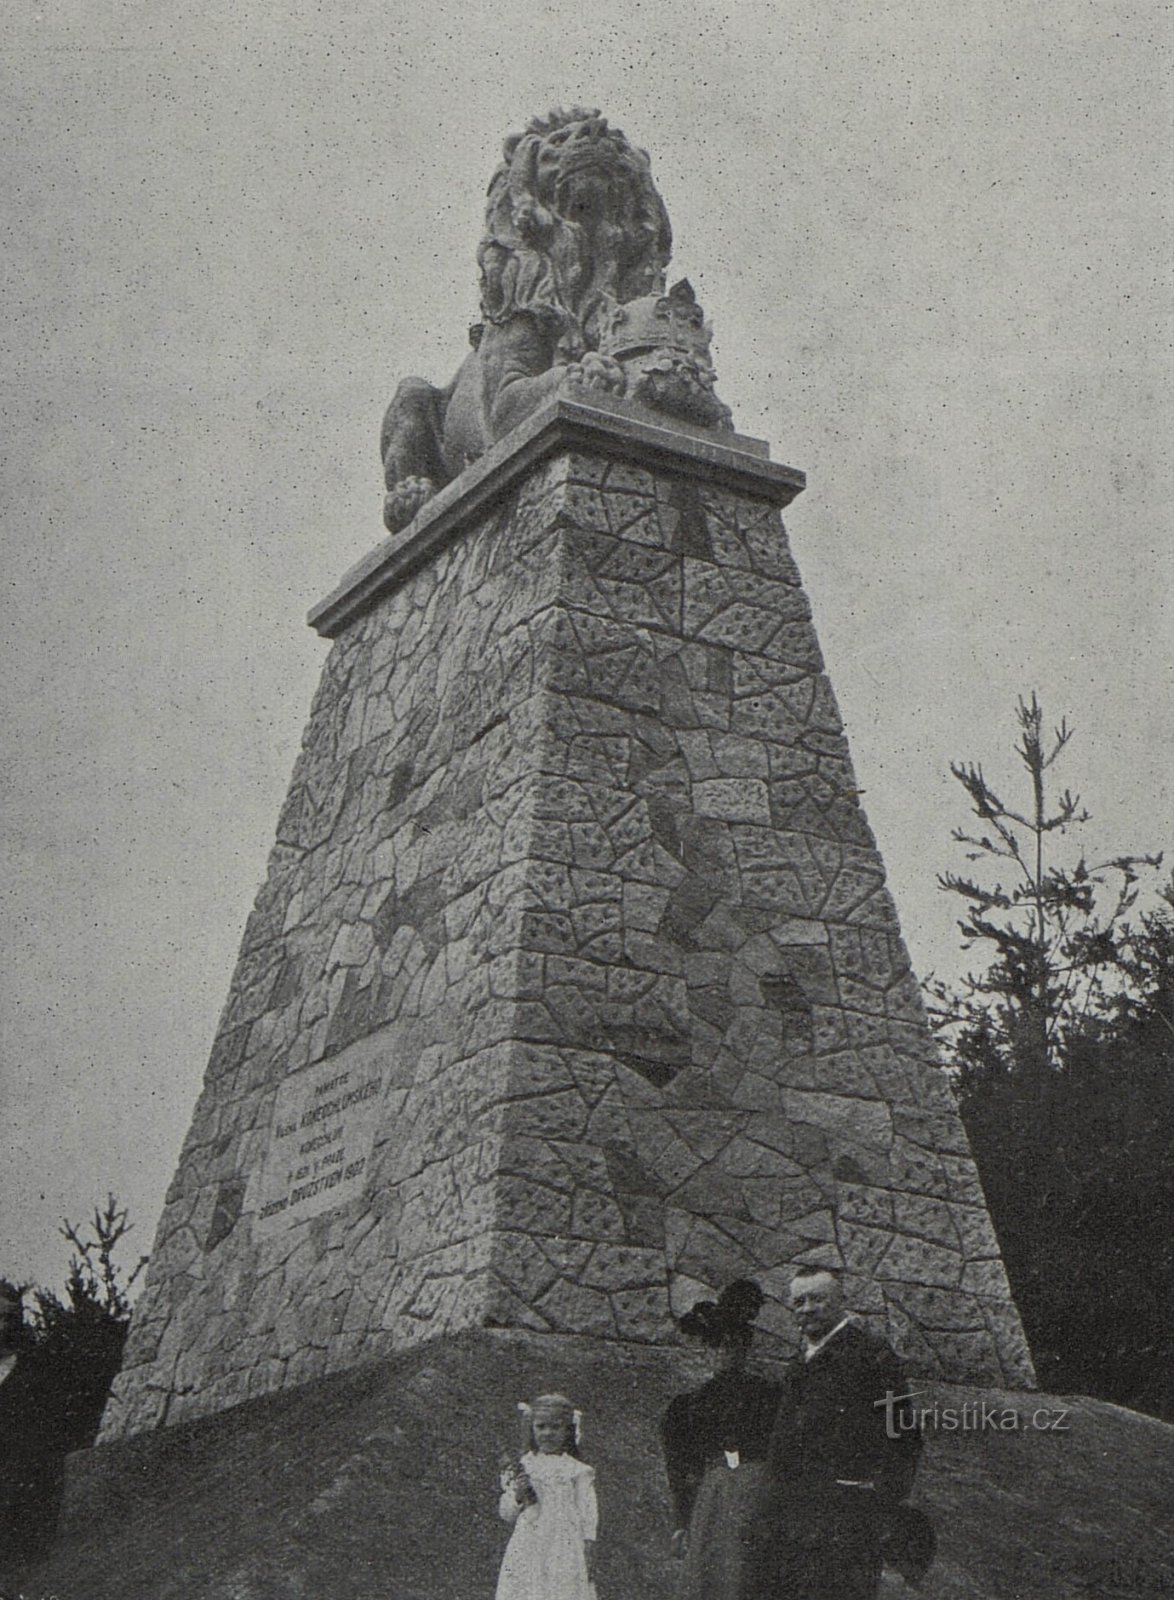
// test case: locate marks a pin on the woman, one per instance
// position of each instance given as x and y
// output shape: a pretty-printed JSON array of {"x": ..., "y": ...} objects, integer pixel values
[{"x": 715, "y": 1440}]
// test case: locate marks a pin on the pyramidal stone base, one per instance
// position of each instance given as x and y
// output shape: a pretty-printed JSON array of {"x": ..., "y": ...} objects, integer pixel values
[{"x": 574, "y": 988}]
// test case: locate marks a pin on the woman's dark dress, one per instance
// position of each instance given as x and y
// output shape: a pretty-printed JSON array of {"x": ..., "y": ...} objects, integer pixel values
[{"x": 734, "y": 1412}]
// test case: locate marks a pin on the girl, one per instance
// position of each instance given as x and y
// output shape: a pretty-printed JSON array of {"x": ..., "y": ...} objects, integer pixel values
[
  {"x": 715, "y": 1440},
  {"x": 549, "y": 1496}
]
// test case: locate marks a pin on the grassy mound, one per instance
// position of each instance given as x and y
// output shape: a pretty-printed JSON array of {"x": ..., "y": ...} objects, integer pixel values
[{"x": 381, "y": 1484}]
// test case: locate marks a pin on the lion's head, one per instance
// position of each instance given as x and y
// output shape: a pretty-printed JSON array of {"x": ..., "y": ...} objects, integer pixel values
[{"x": 573, "y": 224}]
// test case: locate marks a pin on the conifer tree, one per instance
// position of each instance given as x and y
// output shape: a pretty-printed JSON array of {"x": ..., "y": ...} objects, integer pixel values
[
  {"x": 68, "y": 1354},
  {"x": 1061, "y": 1049},
  {"x": 1054, "y": 933}
]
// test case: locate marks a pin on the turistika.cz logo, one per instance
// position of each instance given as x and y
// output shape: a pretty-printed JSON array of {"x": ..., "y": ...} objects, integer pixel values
[{"x": 973, "y": 1416}]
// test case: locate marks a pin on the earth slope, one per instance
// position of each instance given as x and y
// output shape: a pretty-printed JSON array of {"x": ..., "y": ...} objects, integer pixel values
[{"x": 380, "y": 1484}]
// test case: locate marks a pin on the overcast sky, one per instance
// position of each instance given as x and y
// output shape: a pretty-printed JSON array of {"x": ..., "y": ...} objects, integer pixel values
[{"x": 931, "y": 239}]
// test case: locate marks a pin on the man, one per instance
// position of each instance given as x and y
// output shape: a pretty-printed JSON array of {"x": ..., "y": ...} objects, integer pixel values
[{"x": 839, "y": 1461}]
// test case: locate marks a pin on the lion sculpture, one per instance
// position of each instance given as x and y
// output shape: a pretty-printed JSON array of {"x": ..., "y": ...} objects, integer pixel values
[{"x": 575, "y": 232}]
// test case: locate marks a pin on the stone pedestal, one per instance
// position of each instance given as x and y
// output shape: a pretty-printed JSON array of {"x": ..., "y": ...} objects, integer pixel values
[{"x": 574, "y": 986}]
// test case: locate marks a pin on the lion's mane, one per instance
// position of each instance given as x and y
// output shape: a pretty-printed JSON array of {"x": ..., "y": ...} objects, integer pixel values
[{"x": 533, "y": 258}]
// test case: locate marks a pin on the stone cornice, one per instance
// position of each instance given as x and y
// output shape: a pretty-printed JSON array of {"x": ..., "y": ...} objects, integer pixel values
[{"x": 604, "y": 426}]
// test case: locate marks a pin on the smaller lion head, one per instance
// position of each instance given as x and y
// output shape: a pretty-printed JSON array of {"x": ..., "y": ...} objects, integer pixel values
[{"x": 573, "y": 224}]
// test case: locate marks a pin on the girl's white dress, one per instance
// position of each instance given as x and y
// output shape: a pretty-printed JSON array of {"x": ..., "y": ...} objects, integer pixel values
[{"x": 544, "y": 1559}]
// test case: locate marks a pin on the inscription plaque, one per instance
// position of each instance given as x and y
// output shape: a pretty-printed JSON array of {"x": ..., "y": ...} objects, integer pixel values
[{"x": 320, "y": 1140}]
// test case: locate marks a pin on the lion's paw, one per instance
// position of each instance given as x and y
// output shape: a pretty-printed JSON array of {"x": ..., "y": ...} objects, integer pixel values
[
  {"x": 594, "y": 372},
  {"x": 404, "y": 500}
]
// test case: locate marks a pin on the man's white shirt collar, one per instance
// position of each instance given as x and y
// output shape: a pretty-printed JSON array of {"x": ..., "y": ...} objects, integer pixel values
[{"x": 810, "y": 1349}]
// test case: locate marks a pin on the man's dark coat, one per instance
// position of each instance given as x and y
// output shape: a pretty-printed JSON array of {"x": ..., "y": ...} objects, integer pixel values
[{"x": 834, "y": 1474}]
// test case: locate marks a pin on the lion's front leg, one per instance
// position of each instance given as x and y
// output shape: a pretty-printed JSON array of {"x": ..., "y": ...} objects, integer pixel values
[{"x": 410, "y": 444}]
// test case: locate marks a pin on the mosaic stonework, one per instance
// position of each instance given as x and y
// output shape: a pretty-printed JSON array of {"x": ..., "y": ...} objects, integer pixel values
[{"x": 573, "y": 871}]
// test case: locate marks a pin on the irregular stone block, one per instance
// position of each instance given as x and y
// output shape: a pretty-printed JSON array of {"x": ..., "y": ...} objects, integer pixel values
[
  {"x": 927, "y": 1218},
  {"x": 572, "y": 1308},
  {"x": 854, "y": 1122},
  {"x": 914, "y": 1261},
  {"x": 641, "y": 1314},
  {"x": 614, "y": 1267}
]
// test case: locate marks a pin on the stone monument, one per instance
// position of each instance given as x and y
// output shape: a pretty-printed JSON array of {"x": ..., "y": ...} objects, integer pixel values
[{"x": 574, "y": 988}]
